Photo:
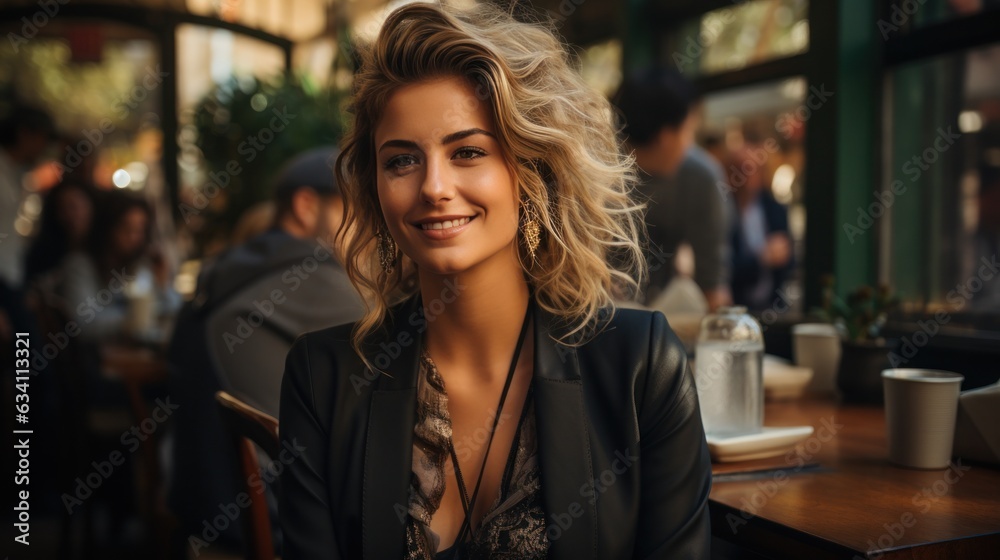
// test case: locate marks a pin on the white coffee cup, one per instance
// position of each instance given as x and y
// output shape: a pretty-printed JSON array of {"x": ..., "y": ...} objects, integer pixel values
[
  {"x": 817, "y": 347},
  {"x": 920, "y": 409}
]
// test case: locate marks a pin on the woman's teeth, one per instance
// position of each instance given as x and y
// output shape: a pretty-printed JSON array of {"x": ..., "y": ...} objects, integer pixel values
[{"x": 446, "y": 224}]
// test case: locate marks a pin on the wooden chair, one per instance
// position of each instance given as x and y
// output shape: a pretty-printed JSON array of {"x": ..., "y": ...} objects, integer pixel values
[{"x": 249, "y": 426}]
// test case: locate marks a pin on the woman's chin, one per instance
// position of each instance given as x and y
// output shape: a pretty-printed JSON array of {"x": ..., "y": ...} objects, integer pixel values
[
  {"x": 454, "y": 260},
  {"x": 438, "y": 267}
]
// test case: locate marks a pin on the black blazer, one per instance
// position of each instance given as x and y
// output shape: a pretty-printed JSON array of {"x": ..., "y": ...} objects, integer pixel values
[{"x": 624, "y": 466}]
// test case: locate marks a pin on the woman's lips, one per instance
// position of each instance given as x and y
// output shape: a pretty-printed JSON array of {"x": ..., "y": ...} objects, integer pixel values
[{"x": 445, "y": 229}]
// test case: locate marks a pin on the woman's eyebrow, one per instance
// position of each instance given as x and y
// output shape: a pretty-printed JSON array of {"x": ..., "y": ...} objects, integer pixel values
[
  {"x": 453, "y": 137},
  {"x": 463, "y": 134},
  {"x": 398, "y": 144}
]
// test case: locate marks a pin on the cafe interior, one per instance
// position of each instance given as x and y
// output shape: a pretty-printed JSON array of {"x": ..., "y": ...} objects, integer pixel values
[{"x": 848, "y": 382}]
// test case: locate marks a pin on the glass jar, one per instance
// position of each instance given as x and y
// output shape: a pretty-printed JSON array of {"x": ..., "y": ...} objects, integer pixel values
[{"x": 729, "y": 373}]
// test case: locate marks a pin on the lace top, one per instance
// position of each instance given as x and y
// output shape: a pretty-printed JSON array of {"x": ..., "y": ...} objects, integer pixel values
[{"x": 514, "y": 526}]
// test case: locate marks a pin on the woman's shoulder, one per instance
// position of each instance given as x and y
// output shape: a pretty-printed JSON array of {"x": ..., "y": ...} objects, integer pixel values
[
  {"x": 328, "y": 342},
  {"x": 633, "y": 326},
  {"x": 643, "y": 344}
]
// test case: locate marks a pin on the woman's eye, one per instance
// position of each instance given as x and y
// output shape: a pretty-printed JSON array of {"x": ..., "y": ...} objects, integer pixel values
[
  {"x": 400, "y": 162},
  {"x": 469, "y": 152}
]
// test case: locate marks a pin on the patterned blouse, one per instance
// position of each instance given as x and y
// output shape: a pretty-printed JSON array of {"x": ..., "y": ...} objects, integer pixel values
[{"x": 514, "y": 526}]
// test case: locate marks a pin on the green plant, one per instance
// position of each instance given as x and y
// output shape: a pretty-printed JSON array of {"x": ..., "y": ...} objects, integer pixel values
[
  {"x": 862, "y": 315},
  {"x": 257, "y": 126}
]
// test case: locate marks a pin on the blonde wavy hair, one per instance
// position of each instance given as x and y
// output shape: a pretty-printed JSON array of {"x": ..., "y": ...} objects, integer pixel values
[{"x": 559, "y": 139}]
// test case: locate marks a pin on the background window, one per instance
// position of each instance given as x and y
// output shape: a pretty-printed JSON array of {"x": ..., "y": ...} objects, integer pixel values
[
  {"x": 902, "y": 16},
  {"x": 733, "y": 38},
  {"x": 943, "y": 170},
  {"x": 102, "y": 84}
]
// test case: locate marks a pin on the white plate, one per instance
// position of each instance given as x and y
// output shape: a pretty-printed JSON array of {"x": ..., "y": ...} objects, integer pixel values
[{"x": 768, "y": 443}]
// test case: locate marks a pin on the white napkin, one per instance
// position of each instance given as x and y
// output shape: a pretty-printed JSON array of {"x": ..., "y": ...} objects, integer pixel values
[{"x": 977, "y": 426}]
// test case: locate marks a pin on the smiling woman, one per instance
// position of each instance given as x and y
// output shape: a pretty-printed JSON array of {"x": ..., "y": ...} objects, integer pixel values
[
  {"x": 492, "y": 400},
  {"x": 450, "y": 201}
]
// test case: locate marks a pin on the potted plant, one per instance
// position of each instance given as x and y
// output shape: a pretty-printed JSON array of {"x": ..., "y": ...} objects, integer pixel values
[
  {"x": 864, "y": 351},
  {"x": 245, "y": 130}
]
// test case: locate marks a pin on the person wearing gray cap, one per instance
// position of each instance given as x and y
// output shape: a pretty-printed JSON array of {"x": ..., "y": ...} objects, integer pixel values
[
  {"x": 250, "y": 305},
  {"x": 281, "y": 283}
]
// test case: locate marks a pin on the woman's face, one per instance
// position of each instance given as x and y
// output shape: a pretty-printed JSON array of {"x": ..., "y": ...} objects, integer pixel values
[
  {"x": 130, "y": 235},
  {"x": 74, "y": 212},
  {"x": 446, "y": 192}
]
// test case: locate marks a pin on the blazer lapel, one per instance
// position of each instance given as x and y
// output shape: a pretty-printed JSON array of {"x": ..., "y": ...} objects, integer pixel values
[
  {"x": 563, "y": 445},
  {"x": 389, "y": 443}
]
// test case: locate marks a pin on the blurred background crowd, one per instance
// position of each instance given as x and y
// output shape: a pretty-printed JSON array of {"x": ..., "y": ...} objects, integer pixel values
[{"x": 168, "y": 207}]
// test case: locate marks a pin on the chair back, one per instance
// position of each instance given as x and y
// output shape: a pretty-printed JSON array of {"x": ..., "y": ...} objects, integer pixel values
[{"x": 249, "y": 426}]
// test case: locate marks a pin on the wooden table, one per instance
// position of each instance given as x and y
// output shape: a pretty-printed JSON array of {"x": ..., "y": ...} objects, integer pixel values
[
  {"x": 132, "y": 364},
  {"x": 855, "y": 505}
]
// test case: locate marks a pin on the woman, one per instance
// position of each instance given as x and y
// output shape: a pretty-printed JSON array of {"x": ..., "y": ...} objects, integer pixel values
[
  {"x": 120, "y": 261},
  {"x": 485, "y": 187},
  {"x": 65, "y": 226}
]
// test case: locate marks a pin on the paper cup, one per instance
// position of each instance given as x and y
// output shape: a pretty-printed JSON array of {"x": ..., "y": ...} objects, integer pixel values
[
  {"x": 920, "y": 409},
  {"x": 141, "y": 314},
  {"x": 817, "y": 347}
]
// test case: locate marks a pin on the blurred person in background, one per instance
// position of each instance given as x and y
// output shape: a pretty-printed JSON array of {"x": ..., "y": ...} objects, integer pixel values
[
  {"x": 120, "y": 268},
  {"x": 761, "y": 243},
  {"x": 294, "y": 258},
  {"x": 250, "y": 305},
  {"x": 65, "y": 225},
  {"x": 25, "y": 134},
  {"x": 680, "y": 182}
]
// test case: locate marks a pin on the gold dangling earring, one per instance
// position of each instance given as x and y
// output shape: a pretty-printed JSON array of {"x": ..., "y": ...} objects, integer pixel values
[
  {"x": 530, "y": 227},
  {"x": 386, "y": 250}
]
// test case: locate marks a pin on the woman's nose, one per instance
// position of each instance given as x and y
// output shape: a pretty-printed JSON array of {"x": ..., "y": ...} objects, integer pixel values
[{"x": 438, "y": 183}]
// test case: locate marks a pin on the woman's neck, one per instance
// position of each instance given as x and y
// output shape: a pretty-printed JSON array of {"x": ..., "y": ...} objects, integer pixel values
[{"x": 474, "y": 318}]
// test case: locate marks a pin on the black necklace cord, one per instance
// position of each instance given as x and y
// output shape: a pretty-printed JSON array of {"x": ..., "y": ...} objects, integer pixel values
[{"x": 467, "y": 503}]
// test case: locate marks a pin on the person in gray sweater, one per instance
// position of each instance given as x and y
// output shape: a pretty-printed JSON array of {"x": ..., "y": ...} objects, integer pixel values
[
  {"x": 683, "y": 187},
  {"x": 280, "y": 284},
  {"x": 251, "y": 303}
]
